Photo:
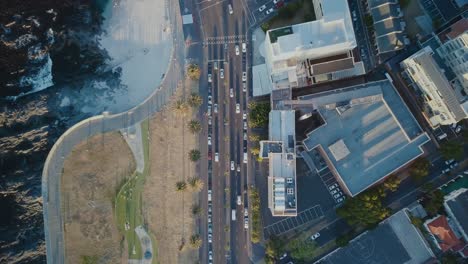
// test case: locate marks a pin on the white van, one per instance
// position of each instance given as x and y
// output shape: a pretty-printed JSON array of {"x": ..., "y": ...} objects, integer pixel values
[{"x": 233, "y": 215}]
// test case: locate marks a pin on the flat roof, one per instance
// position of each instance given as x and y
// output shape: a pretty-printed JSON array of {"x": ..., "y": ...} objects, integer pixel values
[
  {"x": 458, "y": 206},
  {"x": 375, "y": 125},
  {"x": 315, "y": 38},
  {"x": 261, "y": 84},
  {"x": 387, "y": 24},
  {"x": 282, "y": 126},
  {"x": 395, "y": 240}
]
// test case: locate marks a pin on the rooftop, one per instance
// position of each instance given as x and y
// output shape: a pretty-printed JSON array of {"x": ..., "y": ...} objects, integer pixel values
[
  {"x": 334, "y": 31},
  {"x": 374, "y": 126},
  {"x": 443, "y": 233},
  {"x": 457, "y": 203},
  {"x": 395, "y": 240}
]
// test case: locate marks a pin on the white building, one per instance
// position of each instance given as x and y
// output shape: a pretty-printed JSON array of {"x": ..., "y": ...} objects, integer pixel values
[
  {"x": 442, "y": 106},
  {"x": 280, "y": 150},
  {"x": 312, "y": 52}
]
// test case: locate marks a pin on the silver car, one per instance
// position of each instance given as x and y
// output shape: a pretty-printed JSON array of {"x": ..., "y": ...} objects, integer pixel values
[
  {"x": 244, "y": 76},
  {"x": 263, "y": 7},
  {"x": 232, "y": 166},
  {"x": 221, "y": 73},
  {"x": 231, "y": 92}
]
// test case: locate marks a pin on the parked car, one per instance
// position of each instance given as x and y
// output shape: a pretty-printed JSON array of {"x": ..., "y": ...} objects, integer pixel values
[
  {"x": 221, "y": 73},
  {"x": 244, "y": 87},
  {"x": 269, "y": 11},
  {"x": 337, "y": 196},
  {"x": 210, "y": 238},
  {"x": 237, "y": 50},
  {"x": 244, "y": 47},
  {"x": 245, "y": 136},
  {"x": 239, "y": 200},
  {"x": 209, "y": 140},
  {"x": 246, "y": 222},
  {"x": 210, "y": 255},
  {"x": 209, "y": 195},
  {"x": 209, "y": 154},
  {"x": 315, "y": 236},
  {"x": 209, "y": 110},
  {"x": 215, "y": 108},
  {"x": 458, "y": 129},
  {"x": 230, "y": 9},
  {"x": 244, "y": 116},
  {"x": 244, "y": 76},
  {"x": 238, "y": 168},
  {"x": 449, "y": 161},
  {"x": 333, "y": 191},
  {"x": 285, "y": 254},
  {"x": 246, "y": 212},
  {"x": 209, "y": 77},
  {"x": 339, "y": 200},
  {"x": 232, "y": 166},
  {"x": 263, "y": 7},
  {"x": 216, "y": 157},
  {"x": 245, "y": 125},
  {"x": 237, "y": 108},
  {"x": 231, "y": 92},
  {"x": 331, "y": 187},
  {"x": 453, "y": 165},
  {"x": 210, "y": 99},
  {"x": 445, "y": 170},
  {"x": 210, "y": 120}
]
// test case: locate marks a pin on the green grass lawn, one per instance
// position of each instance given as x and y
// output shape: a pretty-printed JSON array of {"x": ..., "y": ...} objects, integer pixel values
[{"x": 128, "y": 205}]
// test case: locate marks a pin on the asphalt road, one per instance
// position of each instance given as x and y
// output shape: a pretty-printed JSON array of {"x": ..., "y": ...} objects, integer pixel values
[{"x": 221, "y": 32}]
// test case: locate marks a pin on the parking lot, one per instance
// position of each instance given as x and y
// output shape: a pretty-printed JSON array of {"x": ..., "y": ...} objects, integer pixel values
[{"x": 313, "y": 196}]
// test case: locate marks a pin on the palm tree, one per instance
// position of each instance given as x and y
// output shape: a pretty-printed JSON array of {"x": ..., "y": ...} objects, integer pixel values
[
  {"x": 195, "y": 100},
  {"x": 180, "y": 107},
  {"x": 194, "y": 155},
  {"x": 195, "y": 241},
  {"x": 196, "y": 184},
  {"x": 181, "y": 186},
  {"x": 193, "y": 71},
  {"x": 196, "y": 210},
  {"x": 194, "y": 126}
]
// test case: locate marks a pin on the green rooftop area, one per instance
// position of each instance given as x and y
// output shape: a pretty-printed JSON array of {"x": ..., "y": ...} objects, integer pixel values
[
  {"x": 459, "y": 182},
  {"x": 276, "y": 33}
]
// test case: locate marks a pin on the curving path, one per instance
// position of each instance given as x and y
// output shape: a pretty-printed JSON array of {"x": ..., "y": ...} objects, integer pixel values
[{"x": 53, "y": 166}]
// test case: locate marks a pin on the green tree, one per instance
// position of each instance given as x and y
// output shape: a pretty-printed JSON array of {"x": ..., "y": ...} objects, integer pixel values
[
  {"x": 273, "y": 248},
  {"x": 419, "y": 169},
  {"x": 196, "y": 184},
  {"x": 433, "y": 202},
  {"x": 194, "y": 126},
  {"x": 194, "y": 155},
  {"x": 193, "y": 71},
  {"x": 365, "y": 209},
  {"x": 368, "y": 20},
  {"x": 344, "y": 239},
  {"x": 392, "y": 183},
  {"x": 255, "y": 235},
  {"x": 195, "y": 100},
  {"x": 451, "y": 258},
  {"x": 416, "y": 221},
  {"x": 89, "y": 259},
  {"x": 196, "y": 209},
  {"x": 195, "y": 241},
  {"x": 259, "y": 114},
  {"x": 452, "y": 150},
  {"x": 302, "y": 250},
  {"x": 255, "y": 150},
  {"x": 254, "y": 137},
  {"x": 181, "y": 186}
]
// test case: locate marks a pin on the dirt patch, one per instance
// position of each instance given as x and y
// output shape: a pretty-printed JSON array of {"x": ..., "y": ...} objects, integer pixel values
[
  {"x": 169, "y": 211},
  {"x": 92, "y": 174}
]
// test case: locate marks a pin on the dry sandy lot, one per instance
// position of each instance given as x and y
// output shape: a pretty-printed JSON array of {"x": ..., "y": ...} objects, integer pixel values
[
  {"x": 92, "y": 174},
  {"x": 168, "y": 211}
]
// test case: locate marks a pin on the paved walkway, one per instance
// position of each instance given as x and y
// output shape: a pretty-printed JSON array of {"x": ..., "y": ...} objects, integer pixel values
[
  {"x": 133, "y": 137},
  {"x": 146, "y": 247}
]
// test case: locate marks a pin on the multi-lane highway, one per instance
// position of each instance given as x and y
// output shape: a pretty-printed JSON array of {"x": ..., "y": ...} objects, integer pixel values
[{"x": 225, "y": 74}]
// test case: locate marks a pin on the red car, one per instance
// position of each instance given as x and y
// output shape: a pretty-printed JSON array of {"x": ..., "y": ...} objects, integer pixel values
[
  {"x": 279, "y": 4},
  {"x": 209, "y": 154}
]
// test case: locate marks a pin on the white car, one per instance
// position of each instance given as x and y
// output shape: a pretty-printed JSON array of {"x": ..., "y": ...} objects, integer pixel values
[
  {"x": 331, "y": 187},
  {"x": 209, "y": 110},
  {"x": 244, "y": 76},
  {"x": 246, "y": 212},
  {"x": 244, "y": 116},
  {"x": 232, "y": 166},
  {"x": 231, "y": 92},
  {"x": 337, "y": 195},
  {"x": 445, "y": 171},
  {"x": 263, "y": 7},
  {"x": 239, "y": 200},
  {"x": 458, "y": 129},
  {"x": 237, "y": 50},
  {"x": 237, "y": 108},
  {"x": 230, "y": 9},
  {"x": 269, "y": 11},
  {"x": 210, "y": 99},
  {"x": 221, "y": 73},
  {"x": 246, "y": 223},
  {"x": 315, "y": 236},
  {"x": 245, "y": 125},
  {"x": 216, "y": 157},
  {"x": 209, "y": 77},
  {"x": 210, "y": 255},
  {"x": 449, "y": 161},
  {"x": 244, "y": 47},
  {"x": 209, "y": 195},
  {"x": 210, "y": 120},
  {"x": 215, "y": 108},
  {"x": 209, "y": 218},
  {"x": 333, "y": 191},
  {"x": 210, "y": 238},
  {"x": 339, "y": 200},
  {"x": 244, "y": 87},
  {"x": 238, "y": 168},
  {"x": 285, "y": 254},
  {"x": 245, "y": 136},
  {"x": 209, "y": 140}
]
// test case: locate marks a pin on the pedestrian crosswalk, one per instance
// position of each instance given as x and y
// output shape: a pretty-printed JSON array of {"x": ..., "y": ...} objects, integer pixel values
[{"x": 225, "y": 40}]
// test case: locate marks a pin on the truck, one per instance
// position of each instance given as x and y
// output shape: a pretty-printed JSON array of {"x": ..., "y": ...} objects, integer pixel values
[{"x": 233, "y": 215}]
